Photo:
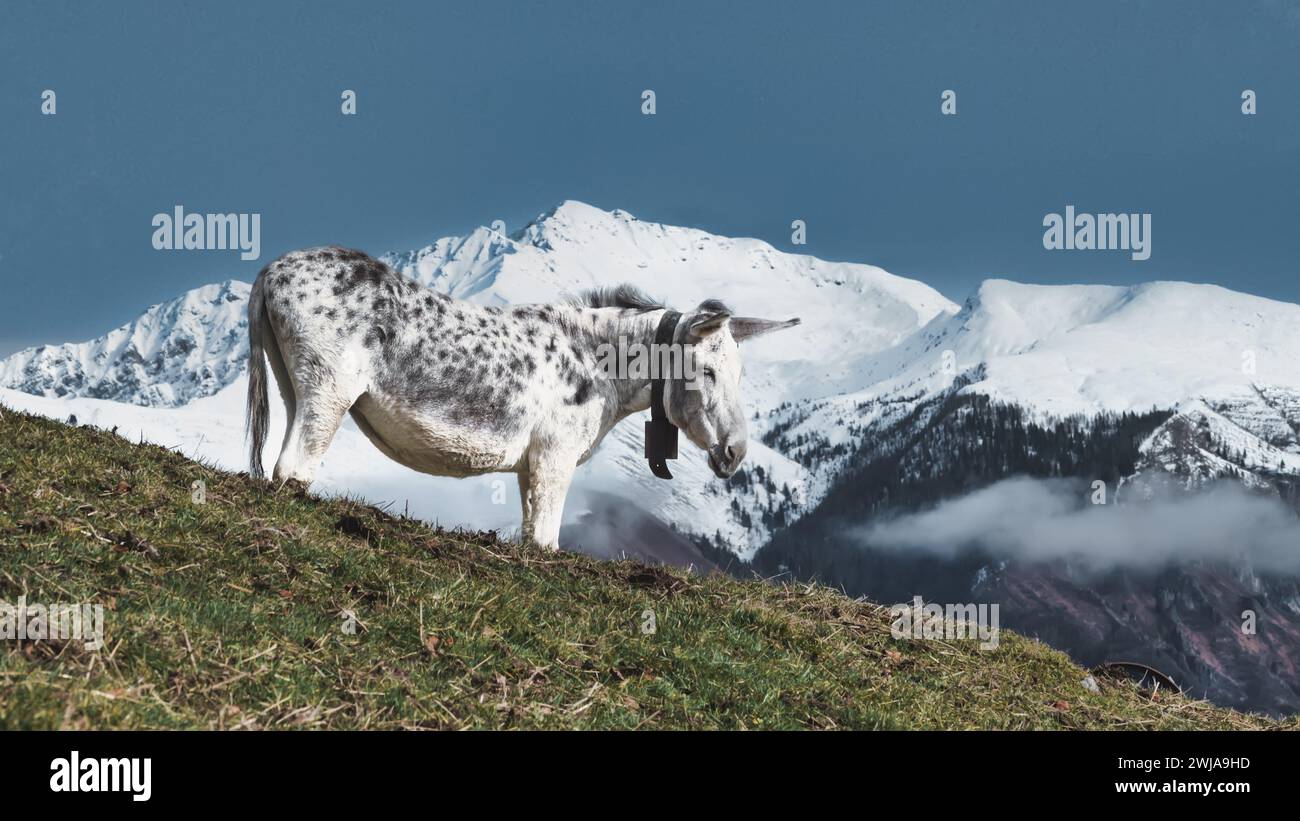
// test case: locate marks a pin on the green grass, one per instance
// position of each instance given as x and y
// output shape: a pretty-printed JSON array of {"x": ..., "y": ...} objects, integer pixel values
[{"x": 230, "y": 614}]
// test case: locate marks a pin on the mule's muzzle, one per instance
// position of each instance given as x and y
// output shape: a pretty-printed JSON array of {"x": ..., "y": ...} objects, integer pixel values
[{"x": 724, "y": 460}]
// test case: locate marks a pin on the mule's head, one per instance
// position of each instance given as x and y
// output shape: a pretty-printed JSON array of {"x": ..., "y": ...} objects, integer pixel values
[{"x": 708, "y": 406}]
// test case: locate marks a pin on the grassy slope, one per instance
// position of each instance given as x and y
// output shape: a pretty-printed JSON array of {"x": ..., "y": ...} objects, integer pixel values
[{"x": 228, "y": 614}]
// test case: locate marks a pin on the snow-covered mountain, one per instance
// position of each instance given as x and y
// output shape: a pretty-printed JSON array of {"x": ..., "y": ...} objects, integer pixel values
[
  {"x": 1228, "y": 362},
  {"x": 1089, "y": 348},
  {"x": 1157, "y": 390},
  {"x": 872, "y": 348},
  {"x": 887, "y": 395},
  {"x": 849, "y": 311},
  {"x": 173, "y": 353},
  {"x": 195, "y": 346}
]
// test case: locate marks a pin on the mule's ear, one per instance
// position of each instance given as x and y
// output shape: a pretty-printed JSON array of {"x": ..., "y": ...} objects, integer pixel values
[
  {"x": 748, "y": 327},
  {"x": 707, "y": 321}
]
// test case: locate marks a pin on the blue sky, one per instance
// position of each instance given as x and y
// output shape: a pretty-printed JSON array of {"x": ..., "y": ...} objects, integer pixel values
[{"x": 767, "y": 112}]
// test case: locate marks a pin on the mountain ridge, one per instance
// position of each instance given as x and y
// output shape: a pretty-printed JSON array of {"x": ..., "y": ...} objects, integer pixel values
[{"x": 873, "y": 345}]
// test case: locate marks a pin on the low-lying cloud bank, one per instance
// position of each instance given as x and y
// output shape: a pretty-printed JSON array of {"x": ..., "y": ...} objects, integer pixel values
[{"x": 1052, "y": 519}]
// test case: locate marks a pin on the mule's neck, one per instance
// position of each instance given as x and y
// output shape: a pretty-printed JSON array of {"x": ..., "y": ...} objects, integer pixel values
[{"x": 623, "y": 329}]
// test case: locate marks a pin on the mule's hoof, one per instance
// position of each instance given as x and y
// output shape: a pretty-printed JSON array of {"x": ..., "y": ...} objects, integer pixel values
[
  {"x": 297, "y": 487},
  {"x": 531, "y": 544}
]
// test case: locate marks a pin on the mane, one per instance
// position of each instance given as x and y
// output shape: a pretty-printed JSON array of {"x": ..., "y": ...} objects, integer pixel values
[{"x": 619, "y": 296}]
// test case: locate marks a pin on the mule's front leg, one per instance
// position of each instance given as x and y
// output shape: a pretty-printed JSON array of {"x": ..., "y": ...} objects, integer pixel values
[{"x": 548, "y": 483}]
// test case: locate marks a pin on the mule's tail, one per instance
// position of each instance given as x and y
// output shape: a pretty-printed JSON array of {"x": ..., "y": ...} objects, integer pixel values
[{"x": 255, "y": 421}]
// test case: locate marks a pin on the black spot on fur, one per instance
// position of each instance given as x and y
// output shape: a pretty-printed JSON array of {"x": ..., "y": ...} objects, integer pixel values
[
  {"x": 366, "y": 271},
  {"x": 582, "y": 393}
]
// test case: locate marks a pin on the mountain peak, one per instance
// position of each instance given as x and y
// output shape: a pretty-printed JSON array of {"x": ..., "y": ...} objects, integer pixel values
[
  {"x": 577, "y": 210},
  {"x": 573, "y": 219}
]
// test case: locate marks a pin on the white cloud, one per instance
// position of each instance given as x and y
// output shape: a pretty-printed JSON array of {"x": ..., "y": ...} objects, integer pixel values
[{"x": 1043, "y": 520}]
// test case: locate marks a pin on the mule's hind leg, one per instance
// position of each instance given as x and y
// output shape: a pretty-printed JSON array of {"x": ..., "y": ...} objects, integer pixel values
[
  {"x": 310, "y": 432},
  {"x": 321, "y": 397},
  {"x": 284, "y": 382}
]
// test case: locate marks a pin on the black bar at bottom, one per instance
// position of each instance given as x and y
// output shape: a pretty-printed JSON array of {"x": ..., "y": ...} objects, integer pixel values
[{"x": 298, "y": 770}]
